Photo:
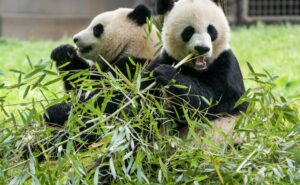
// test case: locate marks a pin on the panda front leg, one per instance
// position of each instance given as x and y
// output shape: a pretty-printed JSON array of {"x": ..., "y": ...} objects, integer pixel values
[
  {"x": 58, "y": 114},
  {"x": 168, "y": 75},
  {"x": 64, "y": 54}
]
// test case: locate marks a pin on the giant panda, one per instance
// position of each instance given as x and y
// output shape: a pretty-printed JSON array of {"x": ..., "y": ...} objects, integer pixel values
[
  {"x": 200, "y": 28},
  {"x": 115, "y": 35}
]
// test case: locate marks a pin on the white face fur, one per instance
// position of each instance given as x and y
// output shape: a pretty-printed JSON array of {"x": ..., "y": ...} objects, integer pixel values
[
  {"x": 112, "y": 34},
  {"x": 197, "y": 27}
]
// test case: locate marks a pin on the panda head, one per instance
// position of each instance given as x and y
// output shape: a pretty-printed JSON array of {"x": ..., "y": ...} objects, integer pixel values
[
  {"x": 117, "y": 33},
  {"x": 197, "y": 27}
]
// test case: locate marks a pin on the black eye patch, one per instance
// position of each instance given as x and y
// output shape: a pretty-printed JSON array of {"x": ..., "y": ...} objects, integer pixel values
[
  {"x": 187, "y": 33},
  {"x": 98, "y": 30},
  {"x": 212, "y": 31}
]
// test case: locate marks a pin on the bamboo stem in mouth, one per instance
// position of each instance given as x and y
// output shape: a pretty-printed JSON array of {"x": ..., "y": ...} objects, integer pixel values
[{"x": 183, "y": 61}]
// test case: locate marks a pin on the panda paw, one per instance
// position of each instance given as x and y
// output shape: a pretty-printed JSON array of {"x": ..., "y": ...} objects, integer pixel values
[
  {"x": 164, "y": 74},
  {"x": 63, "y": 53},
  {"x": 57, "y": 114}
]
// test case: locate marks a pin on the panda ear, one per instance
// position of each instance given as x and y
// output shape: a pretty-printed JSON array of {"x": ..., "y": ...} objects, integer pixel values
[
  {"x": 220, "y": 3},
  {"x": 216, "y": 1},
  {"x": 164, "y": 6},
  {"x": 140, "y": 14}
]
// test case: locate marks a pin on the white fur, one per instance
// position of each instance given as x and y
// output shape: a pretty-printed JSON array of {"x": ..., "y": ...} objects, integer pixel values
[
  {"x": 119, "y": 33},
  {"x": 198, "y": 14}
]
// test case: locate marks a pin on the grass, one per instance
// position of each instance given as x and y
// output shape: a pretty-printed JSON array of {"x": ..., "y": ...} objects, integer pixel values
[
  {"x": 14, "y": 56},
  {"x": 272, "y": 48},
  {"x": 270, "y": 154}
]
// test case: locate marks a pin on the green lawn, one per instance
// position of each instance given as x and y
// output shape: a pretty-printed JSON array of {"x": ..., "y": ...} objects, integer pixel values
[
  {"x": 14, "y": 56},
  {"x": 269, "y": 155},
  {"x": 272, "y": 48}
]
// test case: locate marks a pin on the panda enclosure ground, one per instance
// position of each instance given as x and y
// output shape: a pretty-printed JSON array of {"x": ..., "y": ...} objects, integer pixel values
[{"x": 274, "y": 158}]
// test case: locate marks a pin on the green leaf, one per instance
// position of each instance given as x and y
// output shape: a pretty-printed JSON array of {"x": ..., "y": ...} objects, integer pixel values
[
  {"x": 112, "y": 168},
  {"x": 96, "y": 177},
  {"x": 26, "y": 91},
  {"x": 38, "y": 81},
  {"x": 180, "y": 86},
  {"x": 52, "y": 81},
  {"x": 17, "y": 71},
  {"x": 29, "y": 62},
  {"x": 50, "y": 72},
  {"x": 35, "y": 71}
]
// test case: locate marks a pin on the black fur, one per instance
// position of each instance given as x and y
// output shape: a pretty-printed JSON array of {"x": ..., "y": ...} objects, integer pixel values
[
  {"x": 221, "y": 82},
  {"x": 212, "y": 31},
  {"x": 140, "y": 14},
  {"x": 98, "y": 30},
  {"x": 164, "y": 6},
  {"x": 57, "y": 114},
  {"x": 187, "y": 33}
]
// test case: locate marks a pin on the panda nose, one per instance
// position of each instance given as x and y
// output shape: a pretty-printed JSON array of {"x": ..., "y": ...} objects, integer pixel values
[
  {"x": 202, "y": 49},
  {"x": 75, "y": 39}
]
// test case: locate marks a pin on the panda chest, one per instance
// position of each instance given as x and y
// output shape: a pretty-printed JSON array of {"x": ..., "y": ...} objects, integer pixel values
[{"x": 191, "y": 74}]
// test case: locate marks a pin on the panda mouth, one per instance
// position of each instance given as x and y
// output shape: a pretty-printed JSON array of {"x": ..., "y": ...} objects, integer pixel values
[
  {"x": 200, "y": 62},
  {"x": 85, "y": 49}
]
